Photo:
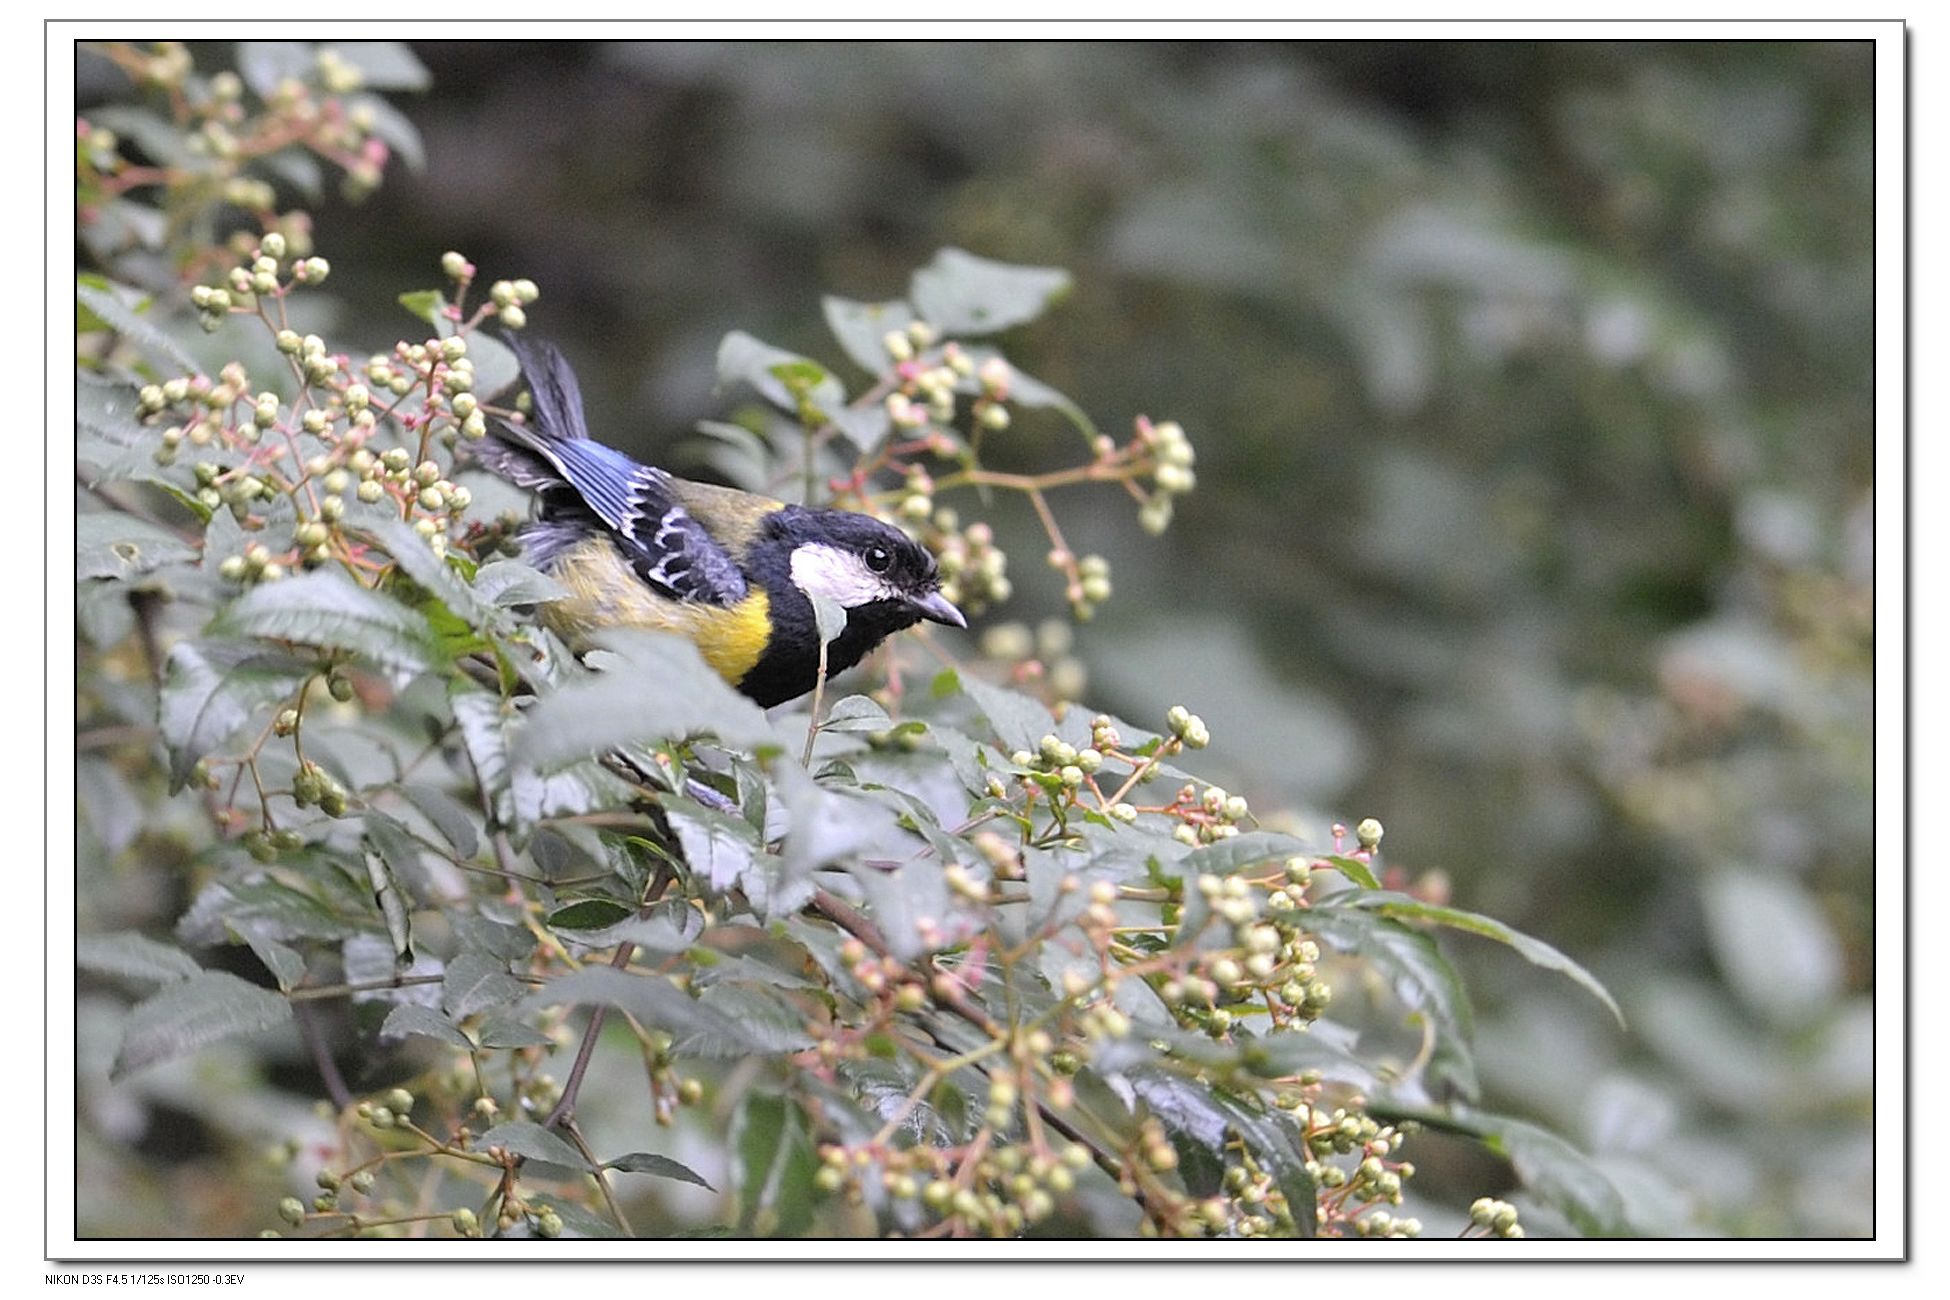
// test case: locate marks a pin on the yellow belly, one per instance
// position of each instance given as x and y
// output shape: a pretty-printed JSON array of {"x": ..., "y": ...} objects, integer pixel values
[{"x": 605, "y": 593}]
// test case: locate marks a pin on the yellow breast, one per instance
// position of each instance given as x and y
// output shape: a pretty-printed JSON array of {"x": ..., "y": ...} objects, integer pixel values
[{"x": 605, "y": 593}]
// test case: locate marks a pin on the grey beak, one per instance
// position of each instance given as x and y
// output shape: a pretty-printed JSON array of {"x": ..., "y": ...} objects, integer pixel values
[{"x": 935, "y": 608}]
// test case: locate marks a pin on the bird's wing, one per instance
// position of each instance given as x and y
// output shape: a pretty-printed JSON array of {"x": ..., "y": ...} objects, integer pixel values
[{"x": 638, "y": 504}]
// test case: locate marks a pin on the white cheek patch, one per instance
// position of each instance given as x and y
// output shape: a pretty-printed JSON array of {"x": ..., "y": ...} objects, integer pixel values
[{"x": 821, "y": 570}]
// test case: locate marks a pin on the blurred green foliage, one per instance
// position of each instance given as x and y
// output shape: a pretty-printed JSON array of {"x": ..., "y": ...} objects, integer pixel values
[{"x": 1532, "y": 385}]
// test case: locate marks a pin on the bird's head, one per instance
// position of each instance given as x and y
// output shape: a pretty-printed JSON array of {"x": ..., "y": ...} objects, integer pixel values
[{"x": 883, "y": 578}]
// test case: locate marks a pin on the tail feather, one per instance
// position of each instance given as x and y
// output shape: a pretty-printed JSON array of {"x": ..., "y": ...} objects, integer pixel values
[{"x": 552, "y": 385}]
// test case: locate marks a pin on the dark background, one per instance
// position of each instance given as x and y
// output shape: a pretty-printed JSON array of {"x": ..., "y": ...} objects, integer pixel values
[{"x": 1531, "y": 384}]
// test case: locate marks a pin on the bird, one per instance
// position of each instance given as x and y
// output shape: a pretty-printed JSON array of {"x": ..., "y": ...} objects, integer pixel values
[{"x": 734, "y": 572}]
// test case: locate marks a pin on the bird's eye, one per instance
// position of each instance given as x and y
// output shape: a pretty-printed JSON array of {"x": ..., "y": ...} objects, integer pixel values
[{"x": 878, "y": 558}]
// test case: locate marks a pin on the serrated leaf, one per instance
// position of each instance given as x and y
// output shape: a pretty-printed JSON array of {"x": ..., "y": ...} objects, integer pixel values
[
  {"x": 454, "y": 820},
  {"x": 507, "y": 583},
  {"x": 500, "y": 1027},
  {"x": 286, "y": 964},
  {"x": 483, "y": 720},
  {"x": 417, "y": 561},
  {"x": 718, "y": 847},
  {"x": 856, "y": 713},
  {"x": 1238, "y": 853},
  {"x": 474, "y": 982},
  {"x": 124, "y": 308},
  {"x": 654, "y": 687},
  {"x": 223, "y": 910},
  {"x": 410, "y": 1018},
  {"x": 134, "y": 956},
  {"x": 1422, "y": 979},
  {"x": 769, "y": 1022},
  {"x": 330, "y": 611},
  {"x": 193, "y": 1013},
  {"x": 529, "y": 1139},
  {"x": 652, "y": 999},
  {"x": 747, "y": 360},
  {"x": 114, "y": 545},
  {"x": 860, "y": 327},
  {"x": 1019, "y": 721},
  {"x": 643, "y": 1162},
  {"x": 960, "y": 293},
  {"x": 211, "y": 689},
  {"x": 1533, "y": 950},
  {"x": 384, "y": 65}
]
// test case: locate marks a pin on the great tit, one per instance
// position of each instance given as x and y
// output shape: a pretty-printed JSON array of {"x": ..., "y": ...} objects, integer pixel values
[{"x": 637, "y": 547}]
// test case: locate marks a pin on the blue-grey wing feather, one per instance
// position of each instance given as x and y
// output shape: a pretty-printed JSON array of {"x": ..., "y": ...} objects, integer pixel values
[{"x": 669, "y": 549}]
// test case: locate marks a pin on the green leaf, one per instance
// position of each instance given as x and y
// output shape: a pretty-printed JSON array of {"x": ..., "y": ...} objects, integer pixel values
[
  {"x": 410, "y": 1018},
  {"x": 1353, "y": 868},
  {"x": 483, "y": 719},
  {"x": 768, "y": 1021},
  {"x": 1422, "y": 978},
  {"x": 960, "y": 293},
  {"x": 653, "y": 1000},
  {"x": 857, "y": 713},
  {"x": 829, "y": 616},
  {"x": 384, "y": 65},
  {"x": 654, "y": 687},
  {"x": 124, "y": 310},
  {"x": 1018, "y": 720},
  {"x": 1027, "y": 391},
  {"x": 286, "y": 964},
  {"x": 193, "y": 1013},
  {"x": 772, "y": 1167},
  {"x": 454, "y": 820},
  {"x": 780, "y": 377},
  {"x": 225, "y": 909},
  {"x": 495, "y": 367},
  {"x": 529, "y": 1139},
  {"x": 114, "y": 545},
  {"x": 212, "y": 688},
  {"x": 428, "y": 304},
  {"x": 503, "y": 1028},
  {"x": 392, "y": 903},
  {"x": 265, "y": 64},
  {"x": 860, "y": 327},
  {"x": 506, "y": 583},
  {"x": 1535, "y": 951},
  {"x": 1554, "y": 1170},
  {"x": 1238, "y": 853},
  {"x": 134, "y": 956},
  {"x": 398, "y": 131},
  {"x": 589, "y": 914},
  {"x": 474, "y": 982},
  {"x": 719, "y": 848},
  {"x": 330, "y": 611},
  {"x": 643, "y": 1162},
  {"x": 863, "y": 426},
  {"x": 1278, "y": 1147},
  {"x": 417, "y": 561}
]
